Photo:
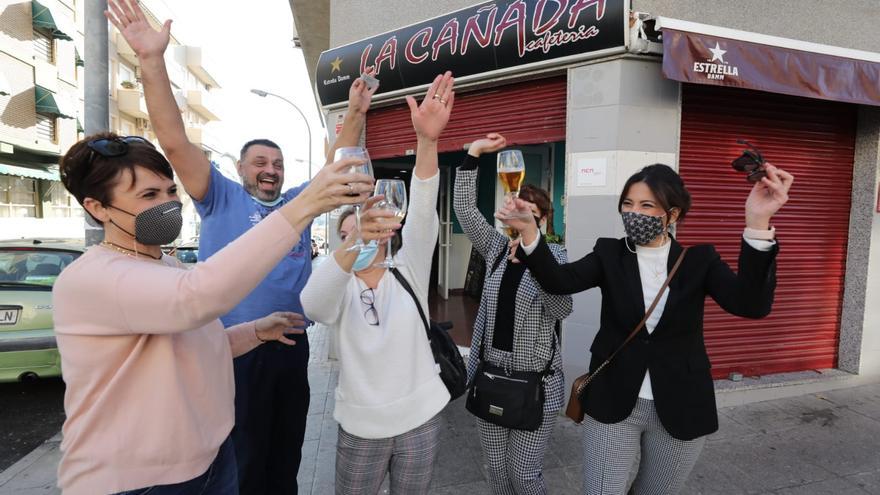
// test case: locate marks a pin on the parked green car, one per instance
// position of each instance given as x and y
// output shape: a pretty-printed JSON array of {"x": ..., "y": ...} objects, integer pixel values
[{"x": 28, "y": 269}]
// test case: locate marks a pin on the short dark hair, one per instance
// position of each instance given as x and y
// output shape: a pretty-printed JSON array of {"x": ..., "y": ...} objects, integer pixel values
[
  {"x": 666, "y": 185},
  {"x": 396, "y": 241},
  {"x": 541, "y": 199},
  {"x": 257, "y": 142},
  {"x": 88, "y": 174}
]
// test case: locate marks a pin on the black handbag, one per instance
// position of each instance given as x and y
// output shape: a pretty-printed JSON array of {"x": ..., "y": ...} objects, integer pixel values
[
  {"x": 446, "y": 354},
  {"x": 512, "y": 399}
]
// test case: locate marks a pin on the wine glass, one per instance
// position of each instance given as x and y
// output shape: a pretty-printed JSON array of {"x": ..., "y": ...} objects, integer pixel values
[
  {"x": 366, "y": 167},
  {"x": 394, "y": 191},
  {"x": 511, "y": 172}
]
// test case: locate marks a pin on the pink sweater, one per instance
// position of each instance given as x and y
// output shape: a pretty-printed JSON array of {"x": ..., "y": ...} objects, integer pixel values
[{"x": 148, "y": 365}]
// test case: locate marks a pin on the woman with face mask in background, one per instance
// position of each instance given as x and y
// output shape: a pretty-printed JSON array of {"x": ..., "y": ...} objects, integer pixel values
[
  {"x": 515, "y": 327},
  {"x": 656, "y": 397},
  {"x": 389, "y": 390},
  {"x": 147, "y": 362}
]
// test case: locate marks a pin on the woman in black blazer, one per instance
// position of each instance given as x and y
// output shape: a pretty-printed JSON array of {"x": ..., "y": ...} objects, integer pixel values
[{"x": 657, "y": 395}]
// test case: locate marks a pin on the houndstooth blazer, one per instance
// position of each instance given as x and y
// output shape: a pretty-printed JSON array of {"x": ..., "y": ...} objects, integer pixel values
[{"x": 536, "y": 311}]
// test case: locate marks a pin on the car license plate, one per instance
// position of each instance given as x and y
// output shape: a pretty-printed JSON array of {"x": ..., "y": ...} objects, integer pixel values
[{"x": 9, "y": 315}]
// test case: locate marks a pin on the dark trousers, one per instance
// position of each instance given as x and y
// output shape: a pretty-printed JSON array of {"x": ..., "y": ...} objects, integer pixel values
[
  {"x": 219, "y": 479},
  {"x": 271, "y": 405}
]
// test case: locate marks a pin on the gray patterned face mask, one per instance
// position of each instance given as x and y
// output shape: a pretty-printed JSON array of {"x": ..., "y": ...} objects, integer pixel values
[
  {"x": 642, "y": 228},
  {"x": 156, "y": 226}
]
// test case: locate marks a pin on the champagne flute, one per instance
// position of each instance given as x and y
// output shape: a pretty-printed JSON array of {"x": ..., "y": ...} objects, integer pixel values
[
  {"x": 395, "y": 201},
  {"x": 366, "y": 167},
  {"x": 511, "y": 172}
]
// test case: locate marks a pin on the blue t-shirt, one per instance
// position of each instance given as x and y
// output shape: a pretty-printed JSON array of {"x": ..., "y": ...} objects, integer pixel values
[{"x": 227, "y": 212}]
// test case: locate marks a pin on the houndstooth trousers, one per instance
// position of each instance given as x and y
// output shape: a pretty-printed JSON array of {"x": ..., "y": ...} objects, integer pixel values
[
  {"x": 516, "y": 457},
  {"x": 361, "y": 463},
  {"x": 610, "y": 452}
]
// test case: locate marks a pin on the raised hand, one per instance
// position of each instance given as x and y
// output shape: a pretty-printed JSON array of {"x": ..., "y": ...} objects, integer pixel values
[
  {"x": 334, "y": 186},
  {"x": 767, "y": 197},
  {"x": 279, "y": 324},
  {"x": 360, "y": 96},
  {"x": 430, "y": 118},
  {"x": 130, "y": 20},
  {"x": 377, "y": 224},
  {"x": 489, "y": 144},
  {"x": 517, "y": 213}
]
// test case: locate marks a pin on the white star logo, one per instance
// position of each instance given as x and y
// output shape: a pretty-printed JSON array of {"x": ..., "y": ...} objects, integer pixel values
[{"x": 717, "y": 53}]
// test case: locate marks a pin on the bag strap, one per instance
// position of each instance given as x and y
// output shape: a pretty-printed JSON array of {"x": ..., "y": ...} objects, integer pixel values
[
  {"x": 647, "y": 314},
  {"x": 400, "y": 278}
]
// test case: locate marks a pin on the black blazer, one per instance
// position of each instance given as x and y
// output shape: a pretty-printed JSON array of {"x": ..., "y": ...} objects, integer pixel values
[{"x": 674, "y": 352}]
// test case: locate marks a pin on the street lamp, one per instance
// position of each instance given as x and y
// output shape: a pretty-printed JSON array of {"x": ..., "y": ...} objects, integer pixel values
[{"x": 260, "y": 92}]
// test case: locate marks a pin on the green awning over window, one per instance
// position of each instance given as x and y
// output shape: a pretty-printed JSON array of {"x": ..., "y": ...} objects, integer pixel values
[
  {"x": 79, "y": 61},
  {"x": 79, "y": 126},
  {"x": 43, "y": 20},
  {"x": 45, "y": 103},
  {"x": 32, "y": 173}
]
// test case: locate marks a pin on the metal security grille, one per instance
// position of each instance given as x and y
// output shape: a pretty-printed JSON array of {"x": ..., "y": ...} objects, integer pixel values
[
  {"x": 531, "y": 112},
  {"x": 814, "y": 140}
]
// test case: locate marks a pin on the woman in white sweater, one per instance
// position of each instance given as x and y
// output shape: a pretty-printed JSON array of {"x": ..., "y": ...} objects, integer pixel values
[{"x": 389, "y": 390}]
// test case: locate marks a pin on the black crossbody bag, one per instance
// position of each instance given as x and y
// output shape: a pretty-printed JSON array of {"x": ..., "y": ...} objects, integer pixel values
[
  {"x": 511, "y": 399},
  {"x": 446, "y": 355}
]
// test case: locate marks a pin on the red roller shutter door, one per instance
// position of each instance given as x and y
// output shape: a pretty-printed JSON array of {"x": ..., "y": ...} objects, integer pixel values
[
  {"x": 531, "y": 112},
  {"x": 812, "y": 139}
]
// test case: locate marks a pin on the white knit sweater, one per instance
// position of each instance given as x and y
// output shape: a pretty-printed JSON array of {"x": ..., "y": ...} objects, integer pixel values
[{"x": 388, "y": 381}]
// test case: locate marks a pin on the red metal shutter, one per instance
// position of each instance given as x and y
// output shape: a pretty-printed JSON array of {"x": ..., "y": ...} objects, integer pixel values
[
  {"x": 815, "y": 141},
  {"x": 531, "y": 112}
]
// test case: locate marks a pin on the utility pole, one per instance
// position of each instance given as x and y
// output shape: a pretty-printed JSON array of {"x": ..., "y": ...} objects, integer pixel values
[{"x": 97, "y": 88}]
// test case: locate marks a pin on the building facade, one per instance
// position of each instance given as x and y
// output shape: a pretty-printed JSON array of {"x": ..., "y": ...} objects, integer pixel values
[
  {"x": 41, "y": 110},
  {"x": 656, "y": 81}
]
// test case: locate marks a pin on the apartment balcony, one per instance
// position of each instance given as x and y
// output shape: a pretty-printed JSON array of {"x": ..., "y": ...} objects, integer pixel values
[
  {"x": 194, "y": 134},
  {"x": 202, "y": 102},
  {"x": 124, "y": 50},
  {"x": 131, "y": 102},
  {"x": 199, "y": 65}
]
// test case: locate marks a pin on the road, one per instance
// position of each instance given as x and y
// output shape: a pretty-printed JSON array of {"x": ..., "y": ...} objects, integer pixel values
[{"x": 30, "y": 413}]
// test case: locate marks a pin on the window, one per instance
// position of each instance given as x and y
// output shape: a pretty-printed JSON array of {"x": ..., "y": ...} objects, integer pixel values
[
  {"x": 62, "y": 203},
  {"x": 18, "y": 197},
  {"x": 126, "y": 77},
  {"x": 44, "y": 47},
  {"x": 33, "y": 266},
  {"x": 47, "y": 128}
]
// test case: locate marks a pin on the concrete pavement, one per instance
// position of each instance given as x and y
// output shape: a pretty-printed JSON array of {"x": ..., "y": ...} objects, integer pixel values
[{"x": 822, "y": 443}]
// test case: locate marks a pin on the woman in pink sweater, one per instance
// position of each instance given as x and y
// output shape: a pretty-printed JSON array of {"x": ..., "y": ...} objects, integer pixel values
[{"x": 148, "y": 365}]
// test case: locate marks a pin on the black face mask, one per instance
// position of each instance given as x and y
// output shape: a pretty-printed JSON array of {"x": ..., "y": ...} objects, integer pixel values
[{"x": 156, "y": 226}]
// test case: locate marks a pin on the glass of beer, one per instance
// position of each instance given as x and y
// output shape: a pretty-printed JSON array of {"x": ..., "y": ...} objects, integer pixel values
[{"x": 511, "y": 172}]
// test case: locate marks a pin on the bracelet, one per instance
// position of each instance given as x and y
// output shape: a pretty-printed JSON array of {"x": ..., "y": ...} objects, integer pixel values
[{"x": 760, "y": 235}]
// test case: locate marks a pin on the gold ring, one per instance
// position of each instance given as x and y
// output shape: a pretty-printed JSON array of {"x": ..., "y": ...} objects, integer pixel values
[
  {"x": 350, "y": 189},
  {"x": 437, "y": 97}
]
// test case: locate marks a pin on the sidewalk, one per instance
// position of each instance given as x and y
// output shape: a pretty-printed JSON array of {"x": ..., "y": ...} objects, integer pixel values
[{"x": 826, "y": 443}]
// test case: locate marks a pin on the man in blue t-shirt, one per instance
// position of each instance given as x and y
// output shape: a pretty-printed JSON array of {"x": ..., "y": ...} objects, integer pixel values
[{"x": 271, "y": 382}]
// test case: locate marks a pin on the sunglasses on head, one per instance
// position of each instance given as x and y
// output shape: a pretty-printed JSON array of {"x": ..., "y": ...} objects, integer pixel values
[
  {"x": 118, "y": 146},
  {"x": 751, "y": 161}
]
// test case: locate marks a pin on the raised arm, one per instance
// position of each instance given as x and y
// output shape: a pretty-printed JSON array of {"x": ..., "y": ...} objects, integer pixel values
[
  {"x": 359, "y": 97},
  {"x": 482, "y": 235},
  {"x": 187, "y": 159},
  {"x": 155, "y": 298}
]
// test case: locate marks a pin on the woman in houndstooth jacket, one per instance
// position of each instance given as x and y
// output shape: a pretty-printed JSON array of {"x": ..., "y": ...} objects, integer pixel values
[{"x": 518, "y": 321}]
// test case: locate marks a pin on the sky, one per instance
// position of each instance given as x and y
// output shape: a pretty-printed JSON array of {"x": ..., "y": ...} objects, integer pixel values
[{"x": 249, "y": 45}]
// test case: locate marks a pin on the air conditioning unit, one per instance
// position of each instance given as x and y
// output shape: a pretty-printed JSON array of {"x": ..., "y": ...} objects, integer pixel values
[
  {"x": 142, "y": 124},
  {"x": 138, "y": 73}
]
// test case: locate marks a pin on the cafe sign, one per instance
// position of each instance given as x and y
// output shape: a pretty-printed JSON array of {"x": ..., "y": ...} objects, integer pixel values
[{"x": 479, "y": 42}]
